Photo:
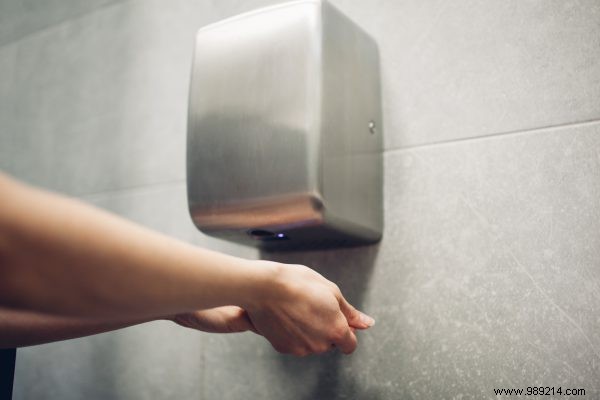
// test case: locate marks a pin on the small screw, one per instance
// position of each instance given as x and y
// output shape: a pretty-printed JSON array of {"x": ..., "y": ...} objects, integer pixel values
[{"x": 372, "y": 127}]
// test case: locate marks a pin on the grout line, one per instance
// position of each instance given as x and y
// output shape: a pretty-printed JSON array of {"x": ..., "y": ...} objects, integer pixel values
[
  {"x": 46, "y": 27},
  {"x": 127, "y": 190},
  {"x": 494, "y": 135}
]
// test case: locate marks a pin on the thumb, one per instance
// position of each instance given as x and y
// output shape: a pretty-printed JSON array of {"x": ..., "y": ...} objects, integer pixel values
[
  {"x": 355, "y": 318},
  {"x": 237, "y": 320},
  {"x": 227, "y": 319}
]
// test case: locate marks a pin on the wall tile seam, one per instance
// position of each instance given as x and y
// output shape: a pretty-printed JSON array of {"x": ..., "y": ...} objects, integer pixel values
[
  {"x": 45, "y": 28},
  {"x": 127, "y": 190},
  {"x": 508, "y": 134}
]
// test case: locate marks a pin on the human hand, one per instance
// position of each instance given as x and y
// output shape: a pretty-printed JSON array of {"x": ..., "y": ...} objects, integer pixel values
[
  {"x": 227, "y": 319},
  {"x": 300, "y": 312}
]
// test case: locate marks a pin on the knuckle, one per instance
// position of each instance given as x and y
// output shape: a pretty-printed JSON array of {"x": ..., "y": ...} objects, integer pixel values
[
  {"x": 239, "y": 313},
  {"x": 331, "y": 285},
  {"x": 338, "y": 333},
  {"x": 300, "y": 352},
  {"x": 336, "y": 289},
  {"x": 280, "y": 348},
  {"x": 302, "y": 268},
  {"x": 322, "y": 348}
]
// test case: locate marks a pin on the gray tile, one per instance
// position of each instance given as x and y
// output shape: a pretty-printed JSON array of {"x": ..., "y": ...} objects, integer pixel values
[
  {"x": 101, "y": 101},
  {"x": 424, "y": 355},
  {"x": 113, "y": 84},
  {"x": 245, "y": 366},
  {"x": 157, "y": 360},
  {"x": 19, "y": 18},
  {"x": 108, "y": 153},
  {"x": 229, "y": 8},
  {"x": 276, "y": 377},
  {"x": 164, "y": 208},
  {"x": 462, "y": 69},
  {"x": 486, "y": 276},
  {"x": 7, "y": 128}
]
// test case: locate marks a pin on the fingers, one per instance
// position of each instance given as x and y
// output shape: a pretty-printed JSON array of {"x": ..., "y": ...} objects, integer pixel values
[
  {"x": 307, "y": 314},
  {"x": 355, "y": 318},
  {"x": 346, "y": 341}
]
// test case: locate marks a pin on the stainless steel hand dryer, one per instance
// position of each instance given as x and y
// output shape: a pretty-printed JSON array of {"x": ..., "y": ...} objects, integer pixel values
[{"x": 284, "y": 142}]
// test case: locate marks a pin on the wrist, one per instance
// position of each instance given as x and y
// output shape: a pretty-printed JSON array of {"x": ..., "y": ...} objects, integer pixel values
[{"x": 260, "y": 282}]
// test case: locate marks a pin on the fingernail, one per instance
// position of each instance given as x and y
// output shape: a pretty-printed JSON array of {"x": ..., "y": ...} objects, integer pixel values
[{"x": 365, "y": 319}]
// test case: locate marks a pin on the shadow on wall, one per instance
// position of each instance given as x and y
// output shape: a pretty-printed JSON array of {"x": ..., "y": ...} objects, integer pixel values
[{"x": 351, "y": 269}]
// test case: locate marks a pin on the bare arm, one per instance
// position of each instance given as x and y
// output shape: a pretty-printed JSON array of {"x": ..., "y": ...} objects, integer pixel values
[
  {"x": 26, "y": 328},
  {"x": 63, "y": 257}
]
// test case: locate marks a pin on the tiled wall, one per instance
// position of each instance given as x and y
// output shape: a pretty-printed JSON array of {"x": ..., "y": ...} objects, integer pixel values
[{"x": 488, "y": 274}]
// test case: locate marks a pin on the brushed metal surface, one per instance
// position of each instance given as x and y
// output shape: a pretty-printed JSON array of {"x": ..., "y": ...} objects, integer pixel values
[{"x": 281, "y": 138}]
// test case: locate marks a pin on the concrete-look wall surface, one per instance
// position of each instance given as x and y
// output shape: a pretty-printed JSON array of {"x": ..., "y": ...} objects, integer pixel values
[{"x": 487, "y": 276}]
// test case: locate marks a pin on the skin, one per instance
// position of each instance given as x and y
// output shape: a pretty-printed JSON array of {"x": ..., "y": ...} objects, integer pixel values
[
  {"x": 68, "y": 269},
  {"x": 26, "y": 328}
]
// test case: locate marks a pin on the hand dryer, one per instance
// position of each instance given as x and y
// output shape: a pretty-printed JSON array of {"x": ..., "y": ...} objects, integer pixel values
[{"x": 284, "y": 146}]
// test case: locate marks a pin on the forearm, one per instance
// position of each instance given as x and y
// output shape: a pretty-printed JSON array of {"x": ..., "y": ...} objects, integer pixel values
[
  {"x": 24, "y": 328},
  {"x": 65, "y": 257}
]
